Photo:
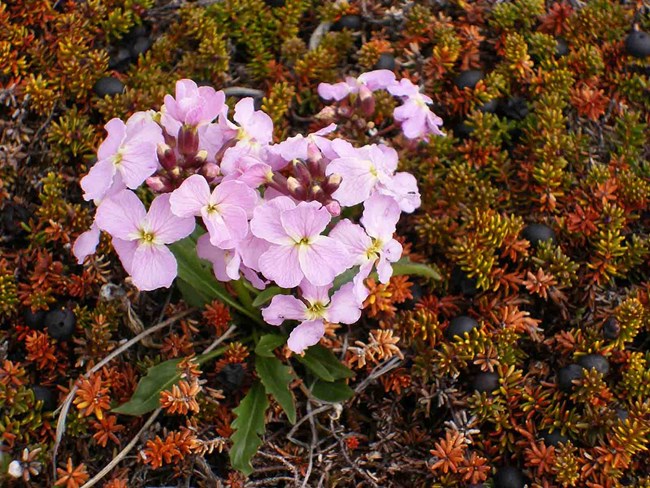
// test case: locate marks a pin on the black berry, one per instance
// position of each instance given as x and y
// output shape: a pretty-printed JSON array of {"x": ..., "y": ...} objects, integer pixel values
[
  {"x": 459, "y": 282},
  {"x": 108, "y": 85},
  {"x": 637, "y": 44},
  {"x": 561, "y": 47},
  {"x": 140, "y": 46},
  {"x": 468, "y": 79},
  {"x": 509, "y": 477},
  {"x": 275, "y": 3},
  {"x": 514, "y": 108},
  {"x": 485, "y": 382},
  {"x": 35, "y": 320},
  {"x": 611, "y": 329},
  {"x": 554, "y": 438},
  {"x": 567, "y": 375},
  {"x": 536, "y": 233},
  {"x": 385, "y": 61},
  {"x": 60, "y": 323},
  {"x": 595, "y": 361},
  {"x": 489, "y": 107},
  {"x": 460, "y": 325},
  {"x": 463, "y": 130},
  {"x": 231, "y": 376},
  {"x": 351, "y": 22},
  {"x": 120, "y": 58},
  {"x": 46, "y": 396}
]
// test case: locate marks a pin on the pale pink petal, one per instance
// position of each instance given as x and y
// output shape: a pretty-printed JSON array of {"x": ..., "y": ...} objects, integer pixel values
[
  {"x": 405, "y": 88},
  {"x": 139, "y": 161},
  {"x": 235, "y": 193},
  {"x": 322, "y": 260},
  {"x": 99, "y": 180},
  {"x": 315, "y": 294},
  {"x": 307, "y": 220},
  {"x": 153, "y": 267},
  {"x": 403, "y": 187},
  {"x": 391, "y": 252},
  {"x": 116, "y": 130},
  {"x": 345, "y": 308},
  {"x": 216, "y": 227},
  {"x": 225, "y": 263},
  {"x": 226, "y": 225},
  {"x": 266, "y": 223},
  {"x": 121, "y": 215},
  {"x": 253, "y": 277},
  {"x": 251, "y": 248},
  {"x": 189, "y": 198},
  {"x": 281, "y": 264},
  {"x": 125, "y": 250},
  {"x": 305, "y": 335},
  {"x": 361, "y": 291},
  {"x": 86, "y": 243},
  {"x": 336, "y": 91},
  {"x": 166, "y": 226},
  {"x": 380, "y": 216},
  {"x": 357, "y": 179},
  {"x": 355, "y": 240},
  {"x": 284, "y": 307},
  {"x": 379, "y": 79}
]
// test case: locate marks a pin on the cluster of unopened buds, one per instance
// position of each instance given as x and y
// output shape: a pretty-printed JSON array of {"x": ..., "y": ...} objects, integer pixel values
[{"x": 272, "y": 212}]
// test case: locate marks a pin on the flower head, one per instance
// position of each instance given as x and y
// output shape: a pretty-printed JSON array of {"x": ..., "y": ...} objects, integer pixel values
[
  {"x": 140, "y": 237},
  {"x": 297, "y": 248},
  {"x": 126, "y": 158},
  {"x": 364, "y": 85},
  {"x": 193, "y": 106},
  {"x": 417, "y": 119},
  {"x": 225, "y": 210}
]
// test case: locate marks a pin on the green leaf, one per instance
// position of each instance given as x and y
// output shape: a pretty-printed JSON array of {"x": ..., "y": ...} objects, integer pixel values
[
  {"x": 333, "y": 392},
  {"x": 160, "y": 377},
  {"x": 267, "y": 295},
  {"x": 324, "y": 364},
  {"x": 405, "y": 267},
  {"x": 267, "y": 343},
  {"x": 276, "y": 377},
  {"x": 248, "y": 427}
]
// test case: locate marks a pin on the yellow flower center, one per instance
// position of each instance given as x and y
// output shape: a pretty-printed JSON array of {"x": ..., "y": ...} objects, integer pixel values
[
  {"x": 316, "y": 311},
  {"x": 373, "y": 251}
]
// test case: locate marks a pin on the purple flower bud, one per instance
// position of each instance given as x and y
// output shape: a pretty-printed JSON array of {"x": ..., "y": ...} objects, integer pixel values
[
  {"x": 332, "y": 183},
  {"x": 209, "y": 171},
  {"x": 188, "y": 141},
  {"x": 295, "y": 188},
  {"x": 301, "y": 171},
  {"x": 159, "y": 184},
  {"x": 166, "y": 156},
  {"x": 333, "y": 208}
]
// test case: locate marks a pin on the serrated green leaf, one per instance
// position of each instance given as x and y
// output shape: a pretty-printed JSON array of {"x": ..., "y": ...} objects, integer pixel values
[
  {"x": 160, "y": 377},
  {"x": 267, "y": 343},
  {"x": 266, "y": 295},
  {"x": 248, "y": 427},
  {"x": 324, "y": 364},
  {"x": 276, "y": 378},
  {"x": 333, "y": 392}
]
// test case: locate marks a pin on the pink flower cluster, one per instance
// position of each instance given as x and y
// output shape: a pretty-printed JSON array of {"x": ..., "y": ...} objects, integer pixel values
[
  {"x": 417, "y": 119},
  {"x": 271, "y": 212}
]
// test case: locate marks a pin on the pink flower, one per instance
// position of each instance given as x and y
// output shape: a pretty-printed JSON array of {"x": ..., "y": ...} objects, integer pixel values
[
  {"x": 297, "y": 147},
  {"x": 403, "y": 187},
  {"x": 364, "y": 85},
  {"x": 375, "y": 244},
  {"x": 361, "y": 169},
  {"x": 126, "y": 158},
  {"x": 140, "y": 237},
  {"x": 255, "y": 127},
  {"x": 225, "y": 210},
  {"x": 298, "y": 250},
  {"x": 193, "y": 106},
  {"x": 314, "y": 308},
  {"x": 227, "y": 263},
  {"x": 417, "y": 119}
]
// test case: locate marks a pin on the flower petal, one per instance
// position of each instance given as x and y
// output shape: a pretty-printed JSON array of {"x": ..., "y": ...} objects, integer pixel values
[
  {"x": 322, "y": 260},
  {"x": 121, "y": 215},
  {"x": 166, "y": 226},
  {"x": 305, "y": 221},
  {"x": 188, "y": 199},
  {"x": 345, "y": 307},
  {"x": 266, "y": 223},
  {"x": 153, "y": 267},
  {"x": 235, "y": 193},
  {"x": 380, "y": 216},
  {"x": 305, "y": 335},
  {"x": 98, "y": 180},
  {"x": 86, "y": 243},
  {"x": 281, "y": 264},
  {"x": 284, "y": 307}
]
